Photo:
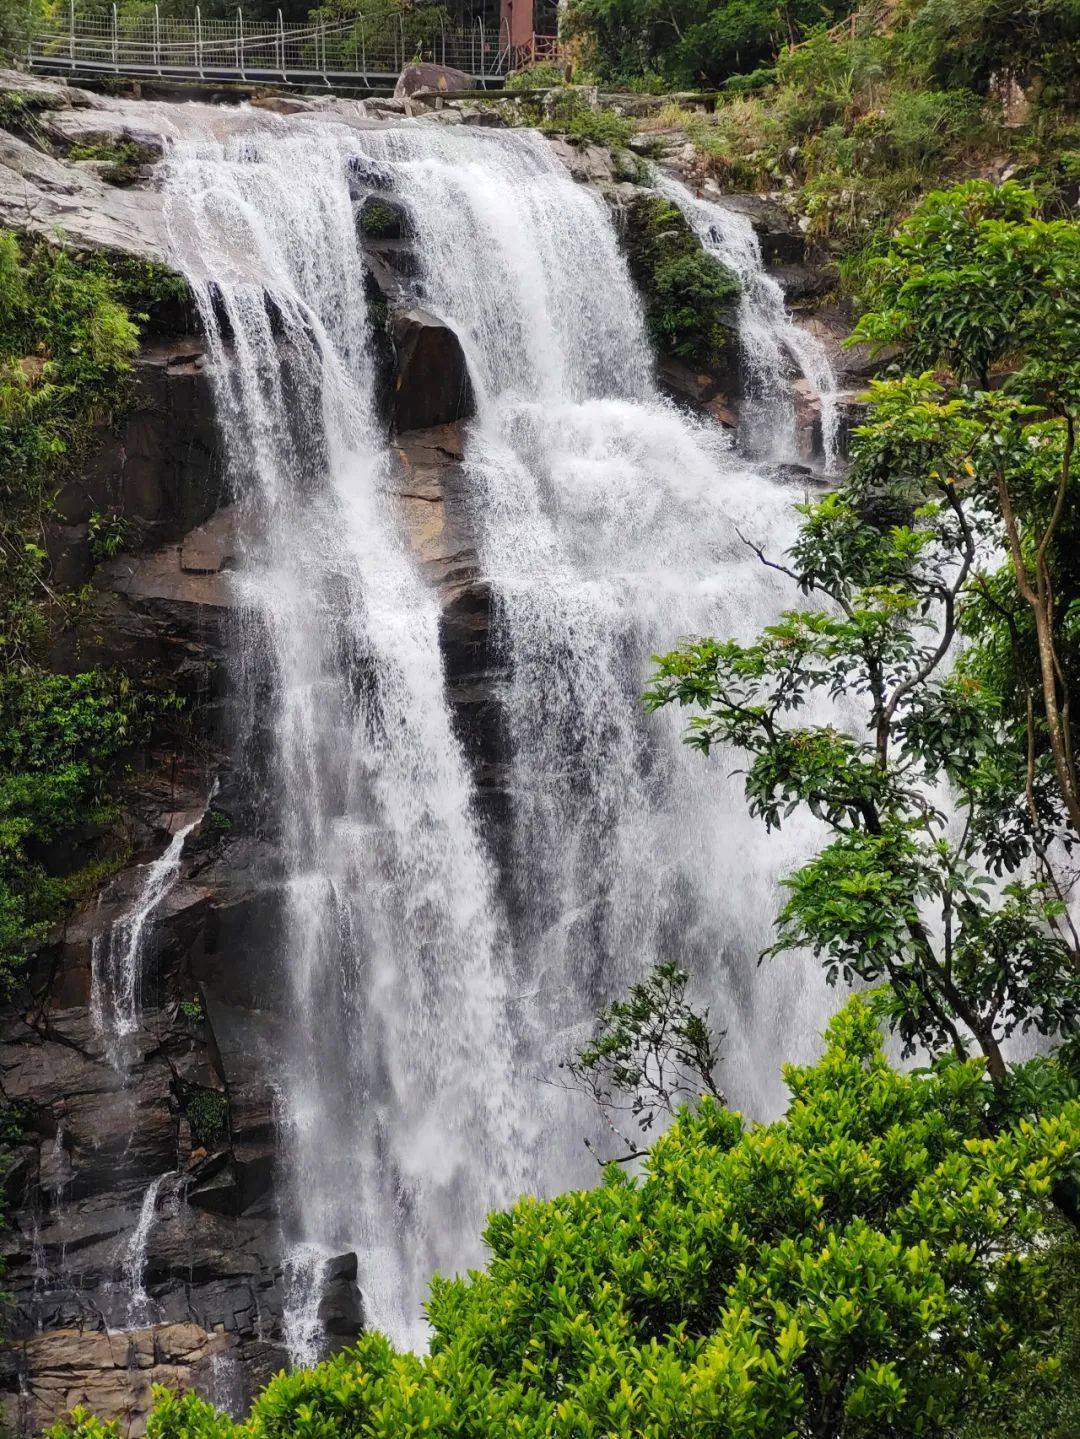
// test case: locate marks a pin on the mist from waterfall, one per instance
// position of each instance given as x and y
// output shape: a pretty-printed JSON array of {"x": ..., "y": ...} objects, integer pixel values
[
  {"x": 436, "y": 974},
  {"x": 611, "y": 525}
]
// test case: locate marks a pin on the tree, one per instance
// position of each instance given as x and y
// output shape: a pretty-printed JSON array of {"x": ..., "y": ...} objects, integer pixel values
[
  {"x": 948, "y": 795},
  {"x": 872, "y": 1264},
  {"x": 650, "y": 1053},
  {"x": 690, "y": 41}
]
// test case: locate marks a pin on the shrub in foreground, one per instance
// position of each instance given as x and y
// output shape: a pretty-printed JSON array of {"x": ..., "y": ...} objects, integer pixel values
[{"x": 872, "y": 1264}]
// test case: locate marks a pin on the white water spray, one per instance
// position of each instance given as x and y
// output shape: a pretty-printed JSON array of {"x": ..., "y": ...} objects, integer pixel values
[{"x": 610, "y": 527}]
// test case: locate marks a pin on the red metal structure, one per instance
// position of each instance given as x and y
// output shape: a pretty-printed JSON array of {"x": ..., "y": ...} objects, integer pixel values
[{"x": 518, "y": 36}]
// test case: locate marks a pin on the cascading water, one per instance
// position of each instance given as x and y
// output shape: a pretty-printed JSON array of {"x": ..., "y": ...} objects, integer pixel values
[
  {"x": 116, "y": 960},
  {"x": 421, "y": 1024},
  {"x": 610, "y": 527},
  {"x": 770, "y": 341},
  {"x": 401, "y": 1125},
  {"x": 138, "y": 1304}
]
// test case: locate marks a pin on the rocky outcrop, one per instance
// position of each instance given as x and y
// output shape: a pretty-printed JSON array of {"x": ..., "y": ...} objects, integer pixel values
[
  {"x": 69, "y": 203},
  {"x": 432, "y": 385},
  {"x": 440, "y": 524},
  {"x": 113, "y": 1374},
  {"x": 435, "y": 79}
]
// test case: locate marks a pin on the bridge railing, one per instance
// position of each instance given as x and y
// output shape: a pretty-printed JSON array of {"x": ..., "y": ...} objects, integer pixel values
[{"x": 374, "y": 49}]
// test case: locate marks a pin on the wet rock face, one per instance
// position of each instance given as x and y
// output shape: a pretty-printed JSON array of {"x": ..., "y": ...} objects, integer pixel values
[
  {"x": 432, "y": 385},
  {"x": 118, "y": 1139}
]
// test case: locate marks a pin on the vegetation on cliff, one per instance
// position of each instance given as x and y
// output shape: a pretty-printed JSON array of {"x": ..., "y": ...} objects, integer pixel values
[
  {"x": 689, "y": 296},
  {"x": 68, "y": 330}
]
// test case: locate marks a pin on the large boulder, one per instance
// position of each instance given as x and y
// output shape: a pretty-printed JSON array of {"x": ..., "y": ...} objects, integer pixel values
[
  {"x": 432, "y": 386},
  {"x": 436, "y": 79}
]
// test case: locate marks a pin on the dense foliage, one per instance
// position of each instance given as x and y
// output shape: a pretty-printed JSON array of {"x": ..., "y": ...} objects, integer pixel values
[
  {"x": 690, "y": 42},
  {"x": 966, "y": 918},
  {"x": 872, "y": 1264},
  {"x": 66, "y": 341},
  {"x": 689, "y": 296}
]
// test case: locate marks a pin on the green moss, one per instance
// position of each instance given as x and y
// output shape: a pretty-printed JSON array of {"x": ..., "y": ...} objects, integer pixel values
[
  {"x": 567, "y": 112},
  {"x": 380, "y": 221},
  {"x": 121, "y": 161},
  {"x": 192, "y": 1010},
  {"x": 688, "y": 294},
  {"x": 207, "y": 1111}
]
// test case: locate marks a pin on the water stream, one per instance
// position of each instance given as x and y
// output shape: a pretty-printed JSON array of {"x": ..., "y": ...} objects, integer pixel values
[
  {"x": 438, "y": 971},
  {"x": 117, "y": 958},
  {"x": 775, "y": 350}
]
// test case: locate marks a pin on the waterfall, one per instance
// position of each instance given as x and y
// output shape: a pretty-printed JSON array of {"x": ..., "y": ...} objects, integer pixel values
[
  {"x": 401, "y": 1127},
  {"x": 610, "y": 526},
  {"x": 133, "y": 1257},
  {"x": 116, "y": 959},
  {"x": 769, "y": 339},
  {"x": 433, "y": 983}
]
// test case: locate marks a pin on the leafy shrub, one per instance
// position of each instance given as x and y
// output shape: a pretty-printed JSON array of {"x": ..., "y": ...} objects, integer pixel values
[
  {"x": 207, "y": 1111},
  {"x": 872, "y": 1264},
  {"x": 567, "y": 112},
  {"x": 542, "y": 76},
  {"x": 60, "y": 737},
  {"x": 688, "y": 294},
  {"x": 109, "y": 534}
]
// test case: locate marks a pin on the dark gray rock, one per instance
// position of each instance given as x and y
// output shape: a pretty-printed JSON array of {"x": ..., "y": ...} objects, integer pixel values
[
  {"x": 341, "y": 1310},
  {"x": 432, "y": 385}
]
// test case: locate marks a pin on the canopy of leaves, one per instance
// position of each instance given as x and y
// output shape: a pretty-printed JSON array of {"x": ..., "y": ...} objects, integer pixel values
[
  {"x": 871, "y": 1264},
  {"x": 690, "y": 42}
]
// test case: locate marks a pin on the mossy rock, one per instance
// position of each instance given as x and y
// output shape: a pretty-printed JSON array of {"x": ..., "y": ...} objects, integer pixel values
[
  {"x": 690, "y": 297},
  {"x": 382, "y": 219}
]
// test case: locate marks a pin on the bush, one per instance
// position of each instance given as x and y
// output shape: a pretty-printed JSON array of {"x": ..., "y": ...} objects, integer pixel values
[
  {"x": 568, "y": 113},
  {"x": 542, "y": 76},
  {"x": 872, "y": 1264}
]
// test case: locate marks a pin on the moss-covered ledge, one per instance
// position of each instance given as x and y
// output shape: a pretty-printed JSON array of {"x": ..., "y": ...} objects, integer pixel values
[{"x": 689, "y": 296}]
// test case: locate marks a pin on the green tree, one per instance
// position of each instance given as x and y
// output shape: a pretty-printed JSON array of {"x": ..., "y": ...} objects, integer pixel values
[
  {"x": 690, "y": 41},
  {"x": 967, "y": 918},
  {"x": 871, "y": 1264}
]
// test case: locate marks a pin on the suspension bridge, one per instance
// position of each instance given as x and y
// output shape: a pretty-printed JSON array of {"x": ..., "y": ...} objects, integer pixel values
[{"x": 357, "y": 53}]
